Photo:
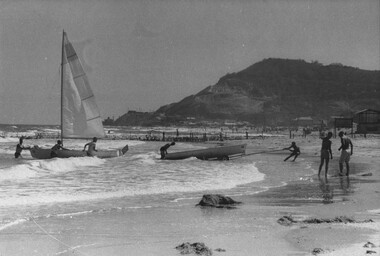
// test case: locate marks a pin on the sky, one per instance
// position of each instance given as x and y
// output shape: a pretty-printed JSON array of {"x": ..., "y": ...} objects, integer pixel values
[{"x": 143, "y": 54}]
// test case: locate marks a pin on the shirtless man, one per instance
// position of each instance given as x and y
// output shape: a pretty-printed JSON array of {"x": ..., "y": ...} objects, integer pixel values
[
  {"x": 164, "y": 149},
  {"x": 19, "y": 148},
  {"x": 56, "y": 147},
  {"x": 91, "y": 147},
  {"x": 344, "y": 156},
  {"x": 326, "y": 153},
  {"x": 295, "y": 152}
]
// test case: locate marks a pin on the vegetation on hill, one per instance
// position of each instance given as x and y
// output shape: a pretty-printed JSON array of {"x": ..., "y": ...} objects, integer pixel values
[{"x": 275, "y": 91}]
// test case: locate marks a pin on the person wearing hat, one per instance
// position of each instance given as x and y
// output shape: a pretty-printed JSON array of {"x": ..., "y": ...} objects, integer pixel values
[
  {"x": 295, "y": 152},
  {"x": 56, "y": 147},
  {"x": 344, "y": 155}
]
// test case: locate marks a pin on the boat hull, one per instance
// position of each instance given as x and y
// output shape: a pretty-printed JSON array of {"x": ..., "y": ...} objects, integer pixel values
[
  {"x": 219, "y": 153},
  {"x": 45, "y": 153}
]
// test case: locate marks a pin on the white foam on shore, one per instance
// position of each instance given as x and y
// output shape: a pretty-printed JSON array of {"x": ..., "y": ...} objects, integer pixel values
[
  {"x": 18, "y": 172},
  {"x": 8, "y": 139},
  {"x": 57, "y": 165},
  {"x": 42, "y": 167},
  {"x": 181, "y": 178},
  {"x": 11, "y": 224}
]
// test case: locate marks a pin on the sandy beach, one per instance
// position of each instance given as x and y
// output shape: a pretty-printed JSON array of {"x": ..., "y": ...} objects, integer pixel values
[{"x": 250, "y": 229}]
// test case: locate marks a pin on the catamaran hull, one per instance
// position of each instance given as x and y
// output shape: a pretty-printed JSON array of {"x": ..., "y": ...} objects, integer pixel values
[
  {"x": 219, "y": 153},
  {"x": 45, "y": 153}
]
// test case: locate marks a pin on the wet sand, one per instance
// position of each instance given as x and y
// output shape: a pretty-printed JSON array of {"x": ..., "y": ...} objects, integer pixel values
[{"x": 251, "y": 229}]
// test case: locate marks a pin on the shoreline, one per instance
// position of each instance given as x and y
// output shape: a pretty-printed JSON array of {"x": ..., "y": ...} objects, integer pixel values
[
  {"x": 355, "y": 196},
  {"x": 251, "y": 228}
]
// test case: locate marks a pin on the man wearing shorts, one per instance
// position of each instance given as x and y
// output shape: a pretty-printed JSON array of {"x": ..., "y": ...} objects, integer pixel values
[
  {"x": 326, "y": 153},
  {"x": 344, "y": 156}
]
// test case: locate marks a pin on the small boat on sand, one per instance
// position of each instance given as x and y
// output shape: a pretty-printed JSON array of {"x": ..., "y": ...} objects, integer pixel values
[{"x": 215, "y": 153}]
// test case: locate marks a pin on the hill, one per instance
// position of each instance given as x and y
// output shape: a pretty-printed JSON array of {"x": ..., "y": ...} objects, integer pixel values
[{"x": 275, "y": 91}]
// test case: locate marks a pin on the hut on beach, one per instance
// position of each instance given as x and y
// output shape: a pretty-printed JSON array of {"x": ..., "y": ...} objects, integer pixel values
[{"x": 368, "y": 121}]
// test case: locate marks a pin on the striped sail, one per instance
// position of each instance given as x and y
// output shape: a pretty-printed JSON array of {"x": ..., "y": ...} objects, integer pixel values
[{"x": 80, "y": 114}]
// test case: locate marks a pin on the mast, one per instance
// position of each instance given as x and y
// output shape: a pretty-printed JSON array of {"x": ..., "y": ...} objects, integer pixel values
[{"x": 62, "y": 55}]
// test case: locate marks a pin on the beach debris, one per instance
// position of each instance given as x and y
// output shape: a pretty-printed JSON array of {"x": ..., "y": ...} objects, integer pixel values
[
  {"x": 220, "y": 250},
  {"x": 288, "y": 220},
  {"x": 218, "y": 201},
  {"x": 317, "y": 251},
  {"x": 194, "y": 248},
  {"x": 340, "y": 219},
  {"x": 370, "y": 252},
  {"x": 369, "y": 245},
  {"x": 366, "y": 174}
]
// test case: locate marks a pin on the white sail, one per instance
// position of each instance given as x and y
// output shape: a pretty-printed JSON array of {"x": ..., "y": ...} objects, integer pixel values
[{"x": 80, "y": 114}]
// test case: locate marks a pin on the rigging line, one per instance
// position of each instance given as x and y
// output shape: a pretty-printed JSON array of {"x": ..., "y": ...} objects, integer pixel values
[
  {"x": 88, "y": 97},
  {"x": 96, "y": 117},
  {"x": 53, "y": 237},
  {"x": 263, "y": 152}
]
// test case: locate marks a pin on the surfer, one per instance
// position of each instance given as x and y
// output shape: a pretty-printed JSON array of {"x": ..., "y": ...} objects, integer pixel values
[
  {"x": 344, "y": 156},
  {"x": 326, "y": 153},
  {"x": 91, "y": 147},
  {"x": 19, "y": 147},
  {"x": 295, "y": 152},
  {"x": 56, "y": 147},
  {"x": 164, "y": 149}
]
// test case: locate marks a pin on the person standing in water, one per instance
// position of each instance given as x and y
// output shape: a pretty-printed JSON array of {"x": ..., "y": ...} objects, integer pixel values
[
  {"x": 91, "y": 147},
  {"x": 344, "y": 156},
  {"x": 326, "y": 153},
  {"x": 19, "y": 148},
  {"x": 164, "y": 149},
  {"x": 295, "y": 152}
]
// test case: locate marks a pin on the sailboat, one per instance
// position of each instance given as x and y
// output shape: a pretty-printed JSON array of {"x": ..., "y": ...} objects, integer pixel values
[{"x": 80, "y": 116}]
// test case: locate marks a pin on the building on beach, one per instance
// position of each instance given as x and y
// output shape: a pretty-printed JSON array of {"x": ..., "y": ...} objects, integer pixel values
[{"x": 368, "y": 121}]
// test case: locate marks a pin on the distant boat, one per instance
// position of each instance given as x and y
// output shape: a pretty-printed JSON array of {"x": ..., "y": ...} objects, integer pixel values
[
  {"x": 215, "y": 153},
  {"x": 80, "y": 116}
]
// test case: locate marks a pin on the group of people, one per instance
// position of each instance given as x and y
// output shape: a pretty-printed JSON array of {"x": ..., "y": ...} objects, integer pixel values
[
  {"x": 91, "y": 148},
  {"x": 326, "y": 153}
]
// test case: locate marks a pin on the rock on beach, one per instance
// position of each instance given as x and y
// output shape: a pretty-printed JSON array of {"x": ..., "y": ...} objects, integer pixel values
[
  {"x": 194, "y": 248},
  {"x": 218, "y": 201}
]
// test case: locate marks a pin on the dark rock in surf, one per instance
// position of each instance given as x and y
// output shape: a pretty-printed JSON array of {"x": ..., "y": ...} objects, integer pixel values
[
  {"x": 317, "y": 251},
  {"x": 369, "y": 245},
  {"x": 194, "y": 248},
  {"x": 286, "y": 221},
  {"x": 218, "y": 201}
]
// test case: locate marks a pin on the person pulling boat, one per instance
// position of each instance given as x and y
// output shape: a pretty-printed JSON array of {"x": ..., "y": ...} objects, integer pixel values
[
  {"x": 91, "y": 147},
  {"x": 164, "y": 149}
]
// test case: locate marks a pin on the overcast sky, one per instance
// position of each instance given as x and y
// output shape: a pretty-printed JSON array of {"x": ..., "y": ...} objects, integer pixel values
[{"x": 140, "y": 55}]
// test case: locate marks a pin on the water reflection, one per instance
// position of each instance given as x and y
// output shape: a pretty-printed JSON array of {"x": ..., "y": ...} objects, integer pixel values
[
  {"x": 327, "y": 190},
  {"x": 345, "y": 184}
]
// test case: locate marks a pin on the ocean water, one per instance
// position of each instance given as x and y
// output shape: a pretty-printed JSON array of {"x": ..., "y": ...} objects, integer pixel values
[{"x": 32, "y": 189}]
